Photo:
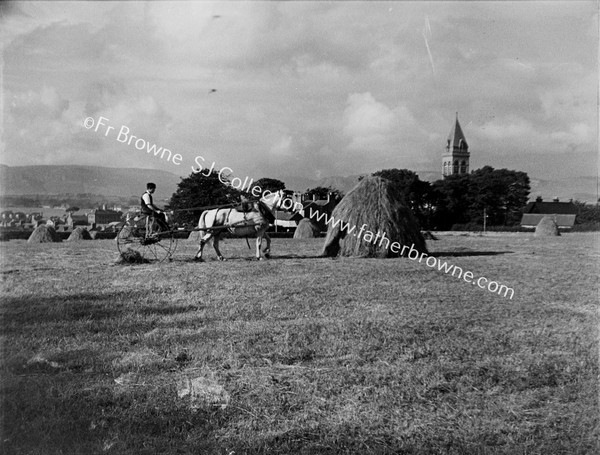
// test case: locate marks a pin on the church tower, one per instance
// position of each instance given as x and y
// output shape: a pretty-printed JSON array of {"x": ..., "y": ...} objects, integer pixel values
[{"x": 456, "y": 156}]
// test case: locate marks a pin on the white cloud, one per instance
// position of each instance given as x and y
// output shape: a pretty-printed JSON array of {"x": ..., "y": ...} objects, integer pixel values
[
  {"x": 312, "y": 85},
  {"x": 368, "y": 123},
  {"x": 516, "y": 135}
]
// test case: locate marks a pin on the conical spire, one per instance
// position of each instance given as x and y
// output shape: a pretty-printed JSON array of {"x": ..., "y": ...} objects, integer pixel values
[{"x": 456, "y": 138}]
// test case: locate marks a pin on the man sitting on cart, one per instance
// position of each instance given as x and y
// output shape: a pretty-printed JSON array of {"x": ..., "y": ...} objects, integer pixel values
[{"x": 149, "y": 209}]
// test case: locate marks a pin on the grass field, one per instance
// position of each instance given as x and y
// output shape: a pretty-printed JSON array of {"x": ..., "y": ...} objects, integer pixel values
[{"x": 301, "y": 355}]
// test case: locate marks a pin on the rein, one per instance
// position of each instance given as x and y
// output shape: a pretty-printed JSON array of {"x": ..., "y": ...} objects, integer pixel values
[{"x": 206, "y": 207}]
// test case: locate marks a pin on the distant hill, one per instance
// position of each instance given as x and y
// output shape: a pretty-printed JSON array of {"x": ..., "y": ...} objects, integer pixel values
[
  {"x": 582, "y": 189},
  {"x": 21, "y": 180}
]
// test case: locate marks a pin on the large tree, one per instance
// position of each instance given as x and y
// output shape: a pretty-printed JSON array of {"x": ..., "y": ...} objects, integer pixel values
[
  {"x": 449, "y": 198},
  {"x": 463, "y": 198},
  {"x": 588, "y": 213},
  {"x": 501, "y": 192},
  {"x": 200, "y": 190},
  {"x": 269, "y": 184}
]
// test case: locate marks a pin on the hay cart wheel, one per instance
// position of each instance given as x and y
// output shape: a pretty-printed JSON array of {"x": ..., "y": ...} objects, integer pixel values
[{"x": 132, "y": 241}]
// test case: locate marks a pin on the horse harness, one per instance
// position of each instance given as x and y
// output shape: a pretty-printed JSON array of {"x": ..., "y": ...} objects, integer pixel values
[{"x": 231, "y": 227}]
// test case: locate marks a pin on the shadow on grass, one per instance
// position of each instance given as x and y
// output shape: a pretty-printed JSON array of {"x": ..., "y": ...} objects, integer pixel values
[
  {"x": 97, "y": 312},
  {"x": 94, "y": 313},
  {"x": 249, "y": 258},
  {"x": 435, "y": 254},
  {"x": 319, "y": 256},
  {"x": 468, "y": 253},
  {"x": 83, "y": 420},
  {"x": 168, "y": 311},
  {"x": 298, "y": 256}
]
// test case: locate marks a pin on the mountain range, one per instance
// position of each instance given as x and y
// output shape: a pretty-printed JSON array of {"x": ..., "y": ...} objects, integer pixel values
[
  {"x": 75, "y": 179},
  {"x": 106, "y": 181}
]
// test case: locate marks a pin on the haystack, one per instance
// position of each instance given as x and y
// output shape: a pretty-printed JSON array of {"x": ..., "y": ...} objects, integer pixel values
[
  {"x": 43, "y": 234},
  {"x": 306, "y": 229},
  {"x": 131, "y": 257},
  {"x": 546, "y": 227},
  {"x": 79, "y": 233},
  {"x": 374, "y": 204}
]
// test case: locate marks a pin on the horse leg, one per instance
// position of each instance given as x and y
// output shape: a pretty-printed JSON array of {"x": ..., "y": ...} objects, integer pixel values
[
  {"x": 267, "y": 250},
  {"x": 216, "y": 247},
  {"x": 258, "y": 245},
  {"x": 203, "y": 241}
]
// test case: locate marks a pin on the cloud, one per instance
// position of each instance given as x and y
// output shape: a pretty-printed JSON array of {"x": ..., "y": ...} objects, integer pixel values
[
  {"x": 368, "y": 123},
  {"x": 390, "y": 136},
  {"x": 317, "y": 86},
  {"x": 47, "y": 128},
  {"x": 516, "y": 135}
]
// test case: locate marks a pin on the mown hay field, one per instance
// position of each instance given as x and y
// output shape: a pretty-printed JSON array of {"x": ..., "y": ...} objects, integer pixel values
[{"x": 298, "y": 354}]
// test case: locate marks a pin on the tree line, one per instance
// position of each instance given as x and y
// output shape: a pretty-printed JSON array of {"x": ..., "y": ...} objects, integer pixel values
[
  {"x": 464, "y": 199},
  {"x": 454, "y": 200}
]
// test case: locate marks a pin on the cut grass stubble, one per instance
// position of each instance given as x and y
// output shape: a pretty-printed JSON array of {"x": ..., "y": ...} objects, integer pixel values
[{"x": 316, "y": 355}]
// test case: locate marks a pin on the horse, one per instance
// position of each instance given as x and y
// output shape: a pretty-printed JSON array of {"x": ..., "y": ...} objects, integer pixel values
[{"x": 251, "y": 220}]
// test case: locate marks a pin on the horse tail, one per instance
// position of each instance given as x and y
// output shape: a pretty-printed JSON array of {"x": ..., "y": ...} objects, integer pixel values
[
  {"x": 207, "y": 221},
  {"x": 202, "y": 220}
]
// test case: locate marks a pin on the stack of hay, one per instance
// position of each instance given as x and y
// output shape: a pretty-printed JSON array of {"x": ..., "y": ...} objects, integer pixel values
[
  {"x": 43, "y": 234},
  {"x": 79, "y": 233},
  {"x": 306, "y": 229},
  {"x": 546, "y": 227},
  {"x": 375, "y": 204},
  {"x": 131, "y": 257}
]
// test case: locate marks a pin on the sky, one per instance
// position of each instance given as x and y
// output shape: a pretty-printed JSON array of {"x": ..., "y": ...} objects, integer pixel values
[{"x": 311, "y": 89}]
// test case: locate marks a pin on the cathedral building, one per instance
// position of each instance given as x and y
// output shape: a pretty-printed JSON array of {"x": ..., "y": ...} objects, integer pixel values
[{"x": 456, "y": 156}]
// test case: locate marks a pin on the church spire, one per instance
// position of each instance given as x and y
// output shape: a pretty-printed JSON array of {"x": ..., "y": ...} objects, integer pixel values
[
  {"x": 456, "y": 138},
  {"x": 456, "y": 155}
]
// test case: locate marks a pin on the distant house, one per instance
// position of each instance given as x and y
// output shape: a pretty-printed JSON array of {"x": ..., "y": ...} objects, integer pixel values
[
  {"x": 34, "y": 216},
  {"x": 6, "y": 218},
  {"x": 98, "y": 217},
  {"x": 563, "y": 213},
  {"x": 76, "y": 220},
  {"x": 56, "y": 221}
]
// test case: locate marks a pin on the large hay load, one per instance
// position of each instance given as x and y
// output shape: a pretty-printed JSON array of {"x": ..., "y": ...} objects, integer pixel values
[
  {"x": 43, "y": 234},
  {"x": 306, "y": 229},
  {"x": 546, "y": 227},
  {"x": 372, "y": 207},
  {"x": 78, "y": 234}
]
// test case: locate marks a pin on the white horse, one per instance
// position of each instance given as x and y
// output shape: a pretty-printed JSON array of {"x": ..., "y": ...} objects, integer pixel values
[{"x": 252, "y": 222}]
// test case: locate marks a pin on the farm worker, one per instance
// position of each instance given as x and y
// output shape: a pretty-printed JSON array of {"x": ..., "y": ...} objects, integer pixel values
[{"x": 148, "y": 207}]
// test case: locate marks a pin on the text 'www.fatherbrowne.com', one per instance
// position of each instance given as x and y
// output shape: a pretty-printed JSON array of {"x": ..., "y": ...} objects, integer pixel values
[{"x": 413, "y": 254}]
